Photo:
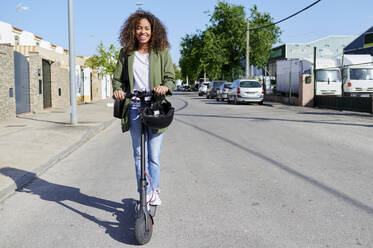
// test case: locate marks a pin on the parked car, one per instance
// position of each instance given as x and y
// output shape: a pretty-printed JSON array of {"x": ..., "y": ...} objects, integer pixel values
[
  {"x": 203, "y": 88},
  {"x": 187, "y": 88},
  {"x": 211, "y": 90},
  {"x": 195, "y": 87},
  {"x": 246, "y": 90},
  {"x": 222, "y": 91}
]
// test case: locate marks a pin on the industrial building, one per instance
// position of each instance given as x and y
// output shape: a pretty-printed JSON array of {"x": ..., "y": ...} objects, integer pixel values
[
  {"x": 362, "y": 44},
  {"x": 327, "y": 47}
]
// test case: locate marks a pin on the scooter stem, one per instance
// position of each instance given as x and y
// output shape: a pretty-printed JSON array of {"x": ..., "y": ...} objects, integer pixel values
[{"x": 143, "y": 181}]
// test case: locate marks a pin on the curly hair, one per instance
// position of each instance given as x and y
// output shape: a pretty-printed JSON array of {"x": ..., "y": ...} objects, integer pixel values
[{"x": 127, "y": 37}]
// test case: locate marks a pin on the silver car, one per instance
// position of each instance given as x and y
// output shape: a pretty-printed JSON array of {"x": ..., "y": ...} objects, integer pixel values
[
  {"x": 246, "y": 90},
  {"x": 222, "y": 91},
  {"x": 203, "y": 88}
]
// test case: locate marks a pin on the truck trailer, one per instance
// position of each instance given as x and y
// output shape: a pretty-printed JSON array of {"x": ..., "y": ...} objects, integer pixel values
[{"x": 288, "y": 74}]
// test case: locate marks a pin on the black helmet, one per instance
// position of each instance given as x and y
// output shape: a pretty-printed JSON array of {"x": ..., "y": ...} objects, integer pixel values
[{"x": 159, "y": 114}]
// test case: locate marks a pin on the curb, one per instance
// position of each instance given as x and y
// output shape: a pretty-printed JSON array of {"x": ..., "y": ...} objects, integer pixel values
[{"x": 22, "y": 181}]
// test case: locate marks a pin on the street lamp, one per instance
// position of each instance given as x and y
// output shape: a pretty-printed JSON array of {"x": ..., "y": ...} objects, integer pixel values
[
  {"x": 247, "y": 75},
  {"x": 73, "y": 114}
]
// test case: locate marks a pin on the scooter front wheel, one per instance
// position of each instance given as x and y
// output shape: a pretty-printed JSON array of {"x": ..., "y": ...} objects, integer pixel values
[{"x": 143, "y": 229}]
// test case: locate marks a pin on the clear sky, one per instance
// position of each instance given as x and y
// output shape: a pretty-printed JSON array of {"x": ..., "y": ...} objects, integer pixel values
[{"x": 97, "y": 20}]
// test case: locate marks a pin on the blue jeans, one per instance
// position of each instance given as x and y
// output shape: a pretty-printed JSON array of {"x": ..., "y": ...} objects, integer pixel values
[{"x": 153, "y": 144}]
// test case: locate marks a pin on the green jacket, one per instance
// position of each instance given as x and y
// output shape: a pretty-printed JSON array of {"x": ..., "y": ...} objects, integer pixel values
[{"x": 161, "y": 73}]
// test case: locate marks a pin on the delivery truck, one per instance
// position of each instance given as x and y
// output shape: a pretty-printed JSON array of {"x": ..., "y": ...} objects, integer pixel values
[
  {"x": 328, "y": 80},
  {"x": 357, "y": 74}
]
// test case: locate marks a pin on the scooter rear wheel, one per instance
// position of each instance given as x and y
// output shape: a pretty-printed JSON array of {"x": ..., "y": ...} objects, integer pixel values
[{"x": 141, "y": 234}]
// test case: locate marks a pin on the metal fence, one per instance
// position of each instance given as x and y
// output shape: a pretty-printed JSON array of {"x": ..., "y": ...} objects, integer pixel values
[{"x": 351, "y": 103}]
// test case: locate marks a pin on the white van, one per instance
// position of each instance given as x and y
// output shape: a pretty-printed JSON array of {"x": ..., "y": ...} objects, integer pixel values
[{"x": 357, "y": 74}]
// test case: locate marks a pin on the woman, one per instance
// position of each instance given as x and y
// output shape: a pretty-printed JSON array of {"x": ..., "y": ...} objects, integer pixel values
[{"x": 144, "y": 64}]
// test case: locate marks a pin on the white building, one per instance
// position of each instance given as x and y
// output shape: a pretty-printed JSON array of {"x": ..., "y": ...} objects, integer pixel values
[
  {"x": 25, "y": 42},
  {"x": 18, "y": 37}
]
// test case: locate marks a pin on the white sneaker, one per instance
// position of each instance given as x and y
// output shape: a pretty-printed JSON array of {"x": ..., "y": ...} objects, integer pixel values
[
  {"x": 150, "y": 197},
  {"x": 156, "y": 200}
]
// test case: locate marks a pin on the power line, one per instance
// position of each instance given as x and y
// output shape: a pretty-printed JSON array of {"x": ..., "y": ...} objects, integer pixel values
[{"x": 309, "y": 6}]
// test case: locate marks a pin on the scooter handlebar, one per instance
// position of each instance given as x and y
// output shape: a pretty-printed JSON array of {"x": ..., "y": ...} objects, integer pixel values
[{"x": 139, "y": 94}]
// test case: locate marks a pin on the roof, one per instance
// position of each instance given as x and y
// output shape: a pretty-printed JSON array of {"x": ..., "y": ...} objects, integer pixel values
[{"x": 358, "y": 43}]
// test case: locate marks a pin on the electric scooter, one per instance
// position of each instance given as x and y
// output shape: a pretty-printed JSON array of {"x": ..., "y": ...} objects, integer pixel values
[{"x": 144, "y": 211}]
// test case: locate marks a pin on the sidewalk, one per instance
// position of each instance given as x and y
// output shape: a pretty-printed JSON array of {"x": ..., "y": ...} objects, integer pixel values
[{"x": 33, "y": 142}]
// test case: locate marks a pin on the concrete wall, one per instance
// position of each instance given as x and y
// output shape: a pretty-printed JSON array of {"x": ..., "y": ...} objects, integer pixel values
[
  {"x": 51, "y": 55},
  {"x": 7, "y": 103},
  {"x": 87, "y": 84},
  {"x": 45, "y": 45},
  {"x": 36, "y": 81},
  {"x": 27, "y": 39},
  {"x": 60, "y": 87},
  {"x": 6, "y": 33},
  {"x": 106, "y": 87},
  {"x": 306, "y": 91},
  {"x": 294, "y": 100},
  {"x": 96, "y": 86}
]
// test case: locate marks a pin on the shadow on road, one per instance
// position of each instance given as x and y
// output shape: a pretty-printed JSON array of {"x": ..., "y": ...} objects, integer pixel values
[
  {"x": 336, "y": 114},
  {"x": 122, "y": 231},
  {"x": 40, "y": 120},
  {"x": 276, "y": 119}
]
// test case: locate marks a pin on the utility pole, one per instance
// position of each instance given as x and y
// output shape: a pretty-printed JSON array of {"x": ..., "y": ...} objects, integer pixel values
[
  {"x": 247, "y": 49},
  {"x": 73, "y": 115},
  {"x": 291, "y": 63},
  {"x": 314, "y": 76}
]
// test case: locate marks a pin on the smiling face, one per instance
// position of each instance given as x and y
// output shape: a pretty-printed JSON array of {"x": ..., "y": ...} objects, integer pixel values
[{"x": 143, "y": 31}]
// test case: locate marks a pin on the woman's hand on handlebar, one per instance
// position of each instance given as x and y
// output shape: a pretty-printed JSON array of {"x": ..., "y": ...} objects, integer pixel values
[
  {"x": 161, "y": 90},
  {"x": 119, "y": 95}
]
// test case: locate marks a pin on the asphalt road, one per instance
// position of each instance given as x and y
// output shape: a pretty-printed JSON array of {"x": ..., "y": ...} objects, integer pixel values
[{"x": 231, "y": 176}]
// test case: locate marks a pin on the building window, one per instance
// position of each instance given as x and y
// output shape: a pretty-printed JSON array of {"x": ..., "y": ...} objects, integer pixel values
[
  {"x": 16, "y": 40},
  {"x": 59, "y": 92},
  {"x": 40, "y": 87}
]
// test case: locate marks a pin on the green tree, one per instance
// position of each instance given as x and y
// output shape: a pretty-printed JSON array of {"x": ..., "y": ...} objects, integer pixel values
[
  {"x": 189, "y": 62},
  {"x": 177, "y": 72},
  {"x": 220, "y": 50},
  {"x": 105, "y": 60},
  {"x": 262, "y": 39},
  {"x": 213, "y": 54},
  {"x": 229, "y": 33}
]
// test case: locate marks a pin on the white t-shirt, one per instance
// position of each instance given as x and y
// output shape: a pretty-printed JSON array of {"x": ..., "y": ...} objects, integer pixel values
[{"x": 141, "y": 72}]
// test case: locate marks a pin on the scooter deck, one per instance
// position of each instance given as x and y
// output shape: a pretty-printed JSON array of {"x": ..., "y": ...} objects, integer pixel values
[{"x": 152, "y": 210}]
